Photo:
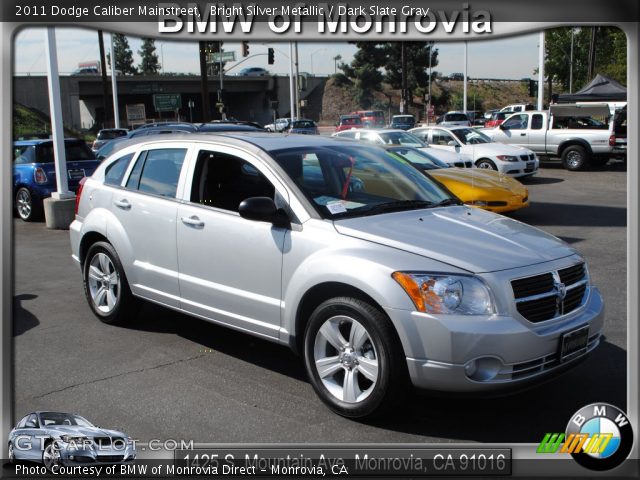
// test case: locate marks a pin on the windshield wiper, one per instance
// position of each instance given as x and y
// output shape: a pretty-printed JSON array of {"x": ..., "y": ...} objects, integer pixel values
[
  {"x": 398, "y": 206},
  {"x": 448, "y": 201}
]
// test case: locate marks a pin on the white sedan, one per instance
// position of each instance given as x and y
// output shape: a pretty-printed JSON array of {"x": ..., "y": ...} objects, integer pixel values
[
  {"x": 390, "y": 136},
  {"x": 478, "y": 148}
]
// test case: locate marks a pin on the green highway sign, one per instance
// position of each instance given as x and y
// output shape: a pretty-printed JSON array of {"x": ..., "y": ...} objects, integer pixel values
[
  {"x": 226, "y": 57},
  {"x": 167, "y": 102}
]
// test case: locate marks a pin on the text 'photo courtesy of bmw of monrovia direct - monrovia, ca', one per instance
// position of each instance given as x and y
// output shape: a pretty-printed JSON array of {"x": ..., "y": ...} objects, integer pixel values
[{"x": 376, "y": 274}]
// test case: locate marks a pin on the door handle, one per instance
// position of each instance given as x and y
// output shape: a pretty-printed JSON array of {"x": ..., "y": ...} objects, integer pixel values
[
  {"x": 193, "y": 221},
  {"x": 123, "y": 204},
  {"x": 523, "y": 134}
]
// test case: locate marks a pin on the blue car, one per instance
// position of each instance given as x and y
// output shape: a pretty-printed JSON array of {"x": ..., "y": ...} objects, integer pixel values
[{"x": 34, "y": 175}]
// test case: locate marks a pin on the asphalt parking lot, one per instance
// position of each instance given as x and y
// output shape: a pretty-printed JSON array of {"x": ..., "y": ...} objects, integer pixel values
[{"x": 171, "y": 376}]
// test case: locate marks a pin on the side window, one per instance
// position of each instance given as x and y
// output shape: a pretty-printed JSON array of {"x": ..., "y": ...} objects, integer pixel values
[
  {"x": 536, "y": 122},
  {"x": 223, "y": 181},
  {"x": 371, "y": 138},
  {"x": 441, "y": 137},
  {"x": 32, "y": 421},
  {"x": 22, "y": 422},
  {"x": 114, "y": 173},
  {"x": 517, "y": 122},
  {"x": 422, "y": 135},
  {"x": 157, "y": 172},
  {"x": 350, "y": 134}
]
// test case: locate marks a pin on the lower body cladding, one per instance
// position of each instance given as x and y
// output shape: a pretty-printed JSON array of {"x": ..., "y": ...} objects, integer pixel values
[{"x": 465, "y": 354}]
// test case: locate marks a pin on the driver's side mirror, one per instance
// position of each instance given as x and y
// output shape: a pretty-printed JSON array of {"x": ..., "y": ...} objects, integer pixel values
[
  {"x": 457, "y": 148},
  {"x": 263, "y": 209},
  {"x": 452, "y": 143},
  {"x": 502, "y": 126}
]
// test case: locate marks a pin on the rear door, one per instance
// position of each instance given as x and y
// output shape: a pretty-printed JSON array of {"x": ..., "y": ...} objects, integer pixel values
[
  {"x": 146, "y": 207},
  {"x": 230, "y": 267}
]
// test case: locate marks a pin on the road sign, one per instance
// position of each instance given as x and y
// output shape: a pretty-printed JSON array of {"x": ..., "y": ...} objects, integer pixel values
[
  {"x": 226, "y": 57},
  {"x": 136, "y": 113},
  {"x": 167, "y": 102}
]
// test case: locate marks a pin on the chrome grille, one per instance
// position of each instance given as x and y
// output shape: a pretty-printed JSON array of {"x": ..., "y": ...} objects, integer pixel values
[{"x": 552, "y": 294}]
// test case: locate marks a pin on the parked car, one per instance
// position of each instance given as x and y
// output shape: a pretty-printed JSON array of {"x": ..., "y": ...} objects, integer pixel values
[
  {"x": 474, "y": 146},
  {"x": 229, "y": 127},
  {"x": 165, "y": 124},
  {"x": 188, "y": 128},
  {"x": 348, "y": 122},
  {"x": 518, "y": 107},
  {"x": 406, "y": 139},
  {"x": 34, "y": 177},
  {"x": 454, "y": 118},
  {"x": 58, "y": 439},
  {"x": 371, "y": 118},
  {"x": 304, "y": 126},
  {"x": 477, "y": 187},
  {"x": 403, "y": 122},
  {"x": 565, "y": 131},
  {"x": 376, "y": 286},
  {"x": 280, "y": 125},
  {"x": 496, "y": 119},
  {"x": 253, "y": 72},
  {"x": 107, "y": 134}
]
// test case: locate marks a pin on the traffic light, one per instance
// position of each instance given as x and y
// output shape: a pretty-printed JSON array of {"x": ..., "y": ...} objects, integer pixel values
[
  {"x": 270, "y": 56},
  {"x": 245, "y": 48}
]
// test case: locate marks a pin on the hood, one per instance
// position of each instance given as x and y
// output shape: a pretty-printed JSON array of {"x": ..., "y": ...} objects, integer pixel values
[
  {"x": 479, "y": 178},
  {"x": 495, "y": 148},
  {"x": 85, "y": 431},
  {"x": 465, "y": 237}
]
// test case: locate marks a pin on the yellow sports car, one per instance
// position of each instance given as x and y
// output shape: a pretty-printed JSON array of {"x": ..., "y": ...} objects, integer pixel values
[{"x": 486, "y": 189}]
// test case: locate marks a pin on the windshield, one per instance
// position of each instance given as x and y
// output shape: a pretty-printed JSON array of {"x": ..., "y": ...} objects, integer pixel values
[
  {"x": 419, "y": 158},
  {"x": 55, "y": 418},
  {"x": 470, "y": 136},
  {"x": 403, "y": 120},
  {"x": 401, "y": 138},
  {"x": 74, "y": 152},
  {"x": 456, "y": 117},
  {"x": 351, "y": 181},
  {"x": 303, "y": 124}
]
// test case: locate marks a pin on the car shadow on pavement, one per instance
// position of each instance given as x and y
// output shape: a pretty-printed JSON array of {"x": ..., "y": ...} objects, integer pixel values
[
  {"x": 524, "y": 416},
  {"x": 571, "y": 215},
  {"x": 23, "y": 319},
  {"x": 206, "y": 335},
  {"x": 539, "y": 180}
]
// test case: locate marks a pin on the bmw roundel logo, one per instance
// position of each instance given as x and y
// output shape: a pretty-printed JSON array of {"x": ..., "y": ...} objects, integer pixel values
[{"x": 604, "y": 435}]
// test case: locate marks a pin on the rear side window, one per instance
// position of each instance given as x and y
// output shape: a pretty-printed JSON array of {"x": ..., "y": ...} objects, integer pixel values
[
  {"x": 114, "y": 173},
  {"x": 157, "y": 172},
  {"x": 23, "y": 154},
  {"x": 536, "y": 121},
  {"x": 456, "y": 117}
]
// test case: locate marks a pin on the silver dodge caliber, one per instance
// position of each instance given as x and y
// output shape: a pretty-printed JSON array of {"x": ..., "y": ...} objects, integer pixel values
[{"x": 375, "y": 273}]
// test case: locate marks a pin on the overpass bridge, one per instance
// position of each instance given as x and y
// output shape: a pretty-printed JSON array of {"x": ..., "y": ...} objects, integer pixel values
[{"x": 246, "y": 98}]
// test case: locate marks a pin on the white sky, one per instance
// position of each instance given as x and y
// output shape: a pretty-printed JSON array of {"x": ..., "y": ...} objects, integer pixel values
[{"x": 512, "y": 58}]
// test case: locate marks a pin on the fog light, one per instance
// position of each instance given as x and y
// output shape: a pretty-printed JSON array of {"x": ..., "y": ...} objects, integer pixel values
[{"x": 470, "y": 368}]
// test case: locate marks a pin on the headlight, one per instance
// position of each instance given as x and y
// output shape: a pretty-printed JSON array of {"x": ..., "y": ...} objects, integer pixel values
[
  {"x": 507, "y": 158},
  {"x": 446, "y": 294}
]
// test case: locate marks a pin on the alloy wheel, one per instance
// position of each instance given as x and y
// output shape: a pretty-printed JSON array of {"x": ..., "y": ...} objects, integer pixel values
[{"x": 104, "y": 283}]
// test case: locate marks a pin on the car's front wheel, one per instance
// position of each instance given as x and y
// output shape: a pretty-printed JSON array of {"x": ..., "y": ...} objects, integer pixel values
[
  {"x": 12, "y": 453},
  {"x": 106, "y": 286},
  {"x": 486, "y": 164},
  {"x": 354, "y": 358},
  {"x": 50, "y": 456}
]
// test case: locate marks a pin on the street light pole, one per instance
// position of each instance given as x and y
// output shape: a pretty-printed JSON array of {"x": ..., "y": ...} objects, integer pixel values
[
  {"x": 292, "y": 112},
  {"x": 571, "y": 64},
  {"x": 114, "y": 86}
]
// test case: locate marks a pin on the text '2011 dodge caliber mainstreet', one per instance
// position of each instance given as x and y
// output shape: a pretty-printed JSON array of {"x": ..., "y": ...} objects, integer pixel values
[{"x": 375, "y": 273}]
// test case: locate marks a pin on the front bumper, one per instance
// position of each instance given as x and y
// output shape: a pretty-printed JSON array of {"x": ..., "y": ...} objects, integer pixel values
[
  {"x": 514, "y": 353},
  {"x": 520, "y": 168},
  {"x": 96, "y": 456}
]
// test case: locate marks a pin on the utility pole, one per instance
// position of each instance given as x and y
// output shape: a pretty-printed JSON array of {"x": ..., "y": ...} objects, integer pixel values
[
  {"x": 464, "y": 93},
  {"x": 403, "y": 63},
  {"x": 571, "y": 62},
  {"x": 204, "y": 87},
  {"x": 103, "y": 74},
  {"x": 541, "y": 72},
  {"x": 430, "y": 73},
  {"x": 297, "y": 82},
  {"x": 114, "y": 86},
  {"x": 292, "y": 94}
]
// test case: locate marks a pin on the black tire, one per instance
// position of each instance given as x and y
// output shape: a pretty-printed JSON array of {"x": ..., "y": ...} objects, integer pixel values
[
  {"x": 125, "y": 305},
  {"x": 382, "y": 346},
  {"x": 486, "y": 164},
  {"x": 575, "y": 158},
  {"x": 28, "y": 209},
  {"x": 50, "y": 448},
  {"x": 12, "y": 456}
]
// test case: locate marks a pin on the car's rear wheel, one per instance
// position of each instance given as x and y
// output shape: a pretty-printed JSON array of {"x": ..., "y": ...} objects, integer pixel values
[
  {"x": 106, "y": 286},
  {"x": 575, "y": 158},
  {"x": 353, "y": 358},
  {"x": 25, "y": 205},
  {"x": 50, "y": 456},
  {"x": 486, "y": 164}
]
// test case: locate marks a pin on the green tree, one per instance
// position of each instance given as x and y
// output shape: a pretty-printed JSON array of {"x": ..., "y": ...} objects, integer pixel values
[
  {"x": 365, "y": 73},
  {"x": 417, "y": 59},
  {"x": 124, "y": 55},
  {"x": 610, "y": 55},
  {"x": 149, "y": 64}
]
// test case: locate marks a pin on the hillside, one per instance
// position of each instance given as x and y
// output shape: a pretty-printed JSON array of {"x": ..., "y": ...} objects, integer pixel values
[
  {"x": 447, "y": 95},
  {"x": 29, "y": 121}
]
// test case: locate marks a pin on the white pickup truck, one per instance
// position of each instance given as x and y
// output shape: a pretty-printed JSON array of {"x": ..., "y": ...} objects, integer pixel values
[{"x": 579, "y": 134}]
